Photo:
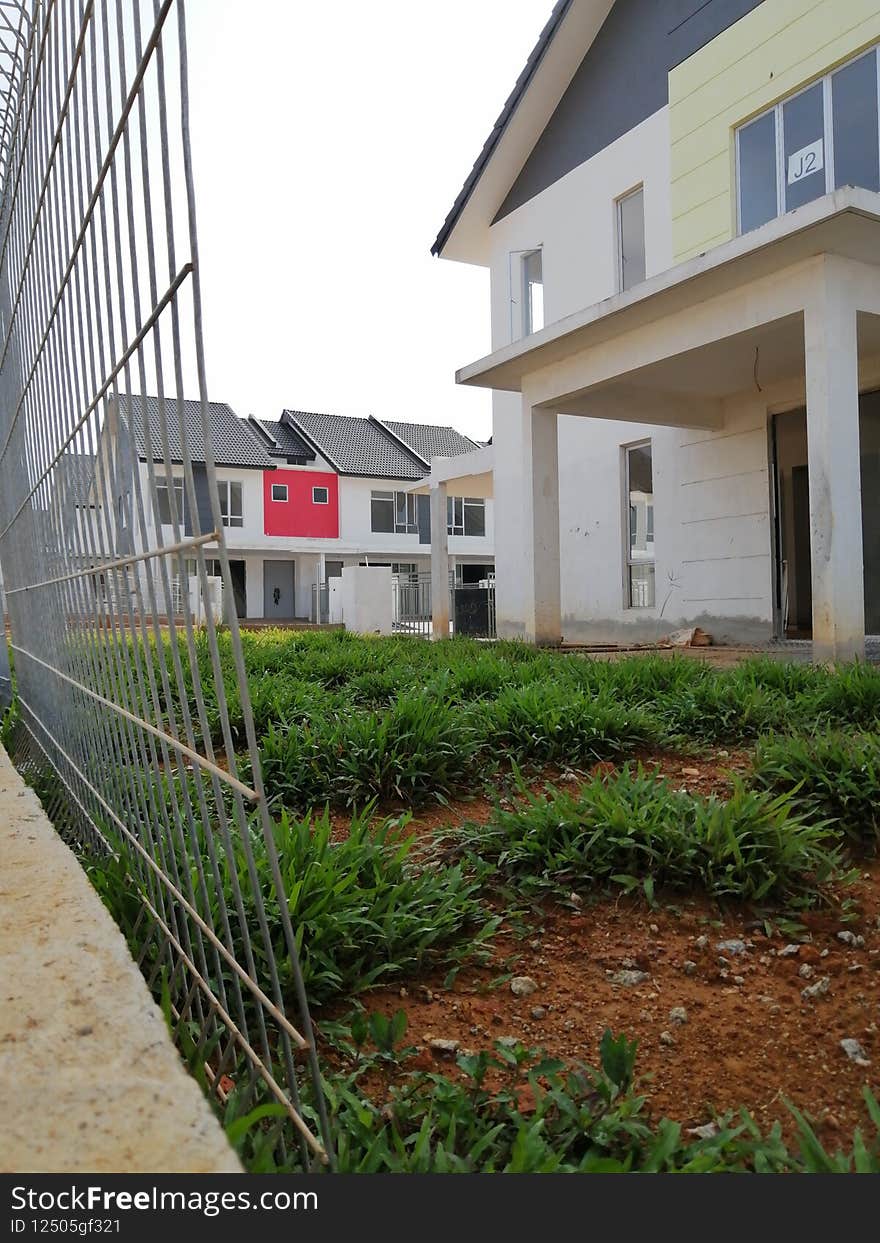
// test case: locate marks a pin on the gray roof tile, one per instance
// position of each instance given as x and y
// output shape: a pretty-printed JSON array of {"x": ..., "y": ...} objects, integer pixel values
[
  {"x": 429, "y": 440},
  {"x": 235, "y": 443},
  {"x": 288, "y": 442},
  {"x": 356, "y": 446}
]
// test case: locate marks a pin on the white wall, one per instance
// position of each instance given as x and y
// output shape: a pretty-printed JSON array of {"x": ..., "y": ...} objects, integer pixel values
[{"x": 711, "y": 490}]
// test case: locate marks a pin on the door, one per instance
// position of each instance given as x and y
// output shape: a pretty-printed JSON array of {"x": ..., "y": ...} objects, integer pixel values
[
  {"x": 239, "y": 587},
  {"x": 278, "y": 593}
]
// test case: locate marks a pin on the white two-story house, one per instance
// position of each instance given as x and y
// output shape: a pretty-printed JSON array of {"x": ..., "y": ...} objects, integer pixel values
[
  {"x": 679, "y": 211},
  {"x": 300, "y": 498}
]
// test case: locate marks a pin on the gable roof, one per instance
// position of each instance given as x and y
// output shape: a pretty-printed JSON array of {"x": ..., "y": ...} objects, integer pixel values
[
  {"x": 234, "y": 442},
  {"x": 430, "y": 440},
  {"x": 521, "y": 85},
  {"x": 356, "y": 446},
  {"x": 284, "y": 440}
]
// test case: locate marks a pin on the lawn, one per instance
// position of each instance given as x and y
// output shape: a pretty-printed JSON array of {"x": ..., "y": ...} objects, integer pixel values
[{"x": 439, "y": 807}]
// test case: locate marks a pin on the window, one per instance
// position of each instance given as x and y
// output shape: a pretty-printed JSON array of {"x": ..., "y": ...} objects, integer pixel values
[
  {"x": 640, "y": 537},
  {"x": 163, "y": 497},
  {"x": 320, "y": 496},
  {"x": 394, "y": 513},
  {"x": 465, "y": 515},
  {"x": 526, "y": 292},
  {"x": 229, "y": 491},
  {"x": 406, "y": 571},
  {"x": 631, "y": 239},
  {"x": 823, "y": 137},
  {"x": 279, "y": 491}
]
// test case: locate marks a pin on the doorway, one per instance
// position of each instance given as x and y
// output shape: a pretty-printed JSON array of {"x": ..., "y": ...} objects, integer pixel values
[
  {"x": 794, "y": 595},
  {"x": 278, "y": 590}
]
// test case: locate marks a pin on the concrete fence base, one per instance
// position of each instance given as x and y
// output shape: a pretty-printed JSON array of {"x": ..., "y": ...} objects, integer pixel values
[{"x": 89, "y": 1078}]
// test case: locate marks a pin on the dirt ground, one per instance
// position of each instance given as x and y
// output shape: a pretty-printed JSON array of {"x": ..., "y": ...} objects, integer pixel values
[{"x": 750, "y": 1036}]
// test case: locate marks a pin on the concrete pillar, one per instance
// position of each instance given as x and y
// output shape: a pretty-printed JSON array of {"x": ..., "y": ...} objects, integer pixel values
[
  {"x": 831, "y": 347},
  {"x": 439, "y": 563},
  {"x": 540, "y": 561}
]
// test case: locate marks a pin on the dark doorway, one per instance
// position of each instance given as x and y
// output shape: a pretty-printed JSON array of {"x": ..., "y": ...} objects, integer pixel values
[
  {"x": 239, "y": 587},
  {"x": 794, "y": 573},
  {"x": 474, "y": 573}
]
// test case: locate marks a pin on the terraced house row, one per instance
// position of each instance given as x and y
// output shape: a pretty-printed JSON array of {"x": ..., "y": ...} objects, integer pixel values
[
  {"x": 300, "y": 498},
  {"x": 678, "y": 208}
]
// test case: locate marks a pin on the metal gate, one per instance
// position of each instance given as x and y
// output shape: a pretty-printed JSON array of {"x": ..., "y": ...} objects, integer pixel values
[
  {"x": 471, "y": 606},
  {"x": 124, "y": 722}
]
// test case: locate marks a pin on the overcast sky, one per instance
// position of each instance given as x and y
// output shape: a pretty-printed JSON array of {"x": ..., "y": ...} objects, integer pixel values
[{"x": 330, "y": 140}]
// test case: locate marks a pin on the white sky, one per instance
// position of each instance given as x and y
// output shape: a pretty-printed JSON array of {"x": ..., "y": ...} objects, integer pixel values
[{"x": 330, "y": 140}]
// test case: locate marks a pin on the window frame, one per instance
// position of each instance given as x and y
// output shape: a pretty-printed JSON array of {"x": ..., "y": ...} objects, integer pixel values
[
  {"x": 230, "y": 520},
  {"x": 177, "y": 487},
  {"x": 280, "y": 500},
  {"x": 628, "y": 560},
  {"x": 776, "y": 110},
  {"x": 318, "y": 487},
  {"x": 618, "y": 216},
  {"x": 464, "y": 504},
  {"x": 407, "y": 501}
]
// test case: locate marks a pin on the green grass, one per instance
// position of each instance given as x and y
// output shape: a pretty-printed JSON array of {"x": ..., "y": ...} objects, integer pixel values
[
  {"x": 831, "y": 776},
  {"x": 631, "y": 828},
  {"x": 585, "y": 1120}
]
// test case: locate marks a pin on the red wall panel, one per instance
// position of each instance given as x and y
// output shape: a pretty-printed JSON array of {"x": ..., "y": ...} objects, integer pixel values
[{"x": 299, "y": 515}]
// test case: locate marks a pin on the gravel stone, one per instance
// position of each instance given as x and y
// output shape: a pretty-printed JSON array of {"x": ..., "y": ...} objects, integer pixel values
[
  {"x": 690, "y": 967},
  {"x": 855, "y": 1052},
  {"x": 678, "y": 1014},
  {"x": 667, "y": 1038},
  {"x": 734, "y": 946},
  {"x": 819, "y": 989},
  {"x": 523, "y": 986},
  {"x": 629, "y": 979}
]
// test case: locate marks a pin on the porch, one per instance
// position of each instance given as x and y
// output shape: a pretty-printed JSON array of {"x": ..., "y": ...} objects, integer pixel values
[{"x": 783, "y": 318}]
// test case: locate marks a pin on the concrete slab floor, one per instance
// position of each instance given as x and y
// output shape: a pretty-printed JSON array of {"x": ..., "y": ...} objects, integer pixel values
[{"x": 89, "y": 1078}]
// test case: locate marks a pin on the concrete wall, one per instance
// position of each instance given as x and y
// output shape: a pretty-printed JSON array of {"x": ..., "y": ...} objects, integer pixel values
[
  {"x": 366, "y": 599},
  {"x": 777, "y": 48}
]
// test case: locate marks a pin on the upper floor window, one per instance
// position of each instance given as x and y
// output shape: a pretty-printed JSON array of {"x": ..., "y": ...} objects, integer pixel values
[
  {"x": 229, "y": 491},
  {"x": 320, "y": 496},
  {"x": 465, "y": 515},
  {"x": 394, "y": 513},
  {"x": 279, "y": 491},
  {"x": 631, "y": 239},
  {"x": 824, "y": 137},
  {"x": 163, "y": 498},
  {"x": 527, "y": 292}
]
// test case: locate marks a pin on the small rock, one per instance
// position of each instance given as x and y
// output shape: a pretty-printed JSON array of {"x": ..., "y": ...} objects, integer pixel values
[
  {"x": 850, "y": 938},
  {"x": 645, "y": 1016},
  {"x": 437, "y": 1044},
  {"x": 690, "y": 772},
  {"x": 855, "y": 1052},
  {"x": 404, "y": 992},
  {"x": 819, "y": 989},
  {"x": 857, "y": 966},
  {"x": 790, "y": 951},
  {"x": 508, "y": 1042},
  {"x": 539, "y": 1012},
  {"x": 667, "y": 1038},
  {"x": 523, "y": 986},
  {"x": 630, "y": 979},
  {"x": 678, "y": 1014},
  {"x": 734, "y": 947},
  {"x": 708, "y": 1131},
  {"x": 690, "y": 967},
  {"x": 701, "y": 942},
  {"x": 739, "y": 979},
  {"x": 653, "y": 928},
  {"x": 575, "y": 899},
  {"x": 823, "y": 954},
  {"x": 805, "y": 971}
]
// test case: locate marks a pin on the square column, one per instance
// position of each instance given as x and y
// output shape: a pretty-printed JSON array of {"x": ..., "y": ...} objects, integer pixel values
[
  {"x": 439, "y": 563},
  {"x": 831, "y": 347},
  {"x": 540, "y": 560}
]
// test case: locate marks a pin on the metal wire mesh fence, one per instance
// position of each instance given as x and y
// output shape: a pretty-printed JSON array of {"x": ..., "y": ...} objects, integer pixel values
[{"x": 134, "y": 716}]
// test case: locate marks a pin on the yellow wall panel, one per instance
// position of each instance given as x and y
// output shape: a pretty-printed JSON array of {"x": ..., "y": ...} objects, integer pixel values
[{"x": 774, "y": 50}]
